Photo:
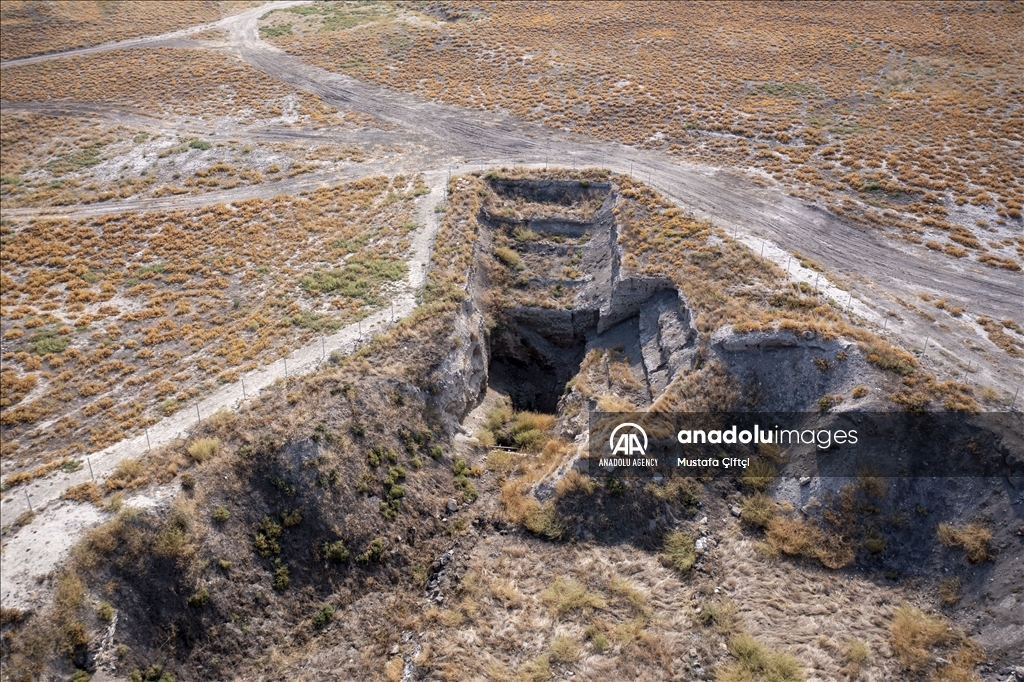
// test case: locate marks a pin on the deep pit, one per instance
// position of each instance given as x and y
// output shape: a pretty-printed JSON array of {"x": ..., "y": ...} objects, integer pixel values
[
  {"x": 530, "y": 365},
  {"x": 552, "y": 271}
]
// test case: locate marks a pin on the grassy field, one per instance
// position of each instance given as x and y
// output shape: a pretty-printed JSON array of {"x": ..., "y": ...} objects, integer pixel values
[
  {"x": 162, "y": 81},
  {"x": 903, "y": 117},
  {"x": 110, "y": 323},
  {"x": 53, "y": 160},
  {"x": 30, "y": 27}
]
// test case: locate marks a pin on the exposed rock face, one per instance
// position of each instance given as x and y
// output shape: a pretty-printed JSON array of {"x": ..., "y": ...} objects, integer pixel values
[
  {"x": 461, "y": 378},
  {"x": 784, "y": 371},
  {"x": 668, "y": 338},
  {"x": 564, "y": 192},
  {"x": 560, "y": 226},
  {"x": 533, "y": 352},
  {"x": 628, "y": 294},
  {"x": 562, "y": 327},
  {"x": 726, "y": 340},
  {"x": 625, "y": 291}
]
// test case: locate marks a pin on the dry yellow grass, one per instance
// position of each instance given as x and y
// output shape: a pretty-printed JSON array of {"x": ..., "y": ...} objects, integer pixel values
[
  {"x": 973, "y": 537},
  {"x": 173, "y": 81},
  {"x": 212, "y": 294},
  {"x": 880, "y": 111},
  {"x": 602, "y": 612},
  {"x": 924, "y": 642},
  {"x": 29, "y": 27}
]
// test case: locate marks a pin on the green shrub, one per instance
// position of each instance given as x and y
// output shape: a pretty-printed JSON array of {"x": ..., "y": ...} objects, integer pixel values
[
  {"x": 379, "y": 453},
  {"x": 199, "y": 598},
  {"x": 756, "y": 662},
  {"x": 154, "y": 674},
  {"x": 221, "y": 514},
  {"x": 105, "y": 612},
  {"x": 721, "y": 616},
  {"x": 597, "y": 638},
  {"x": 564, "y": 650},
  {"x": 530, "y": 440},
  {"x": 359, "y": 277},
  {"x": 758, "y": 510},
  {"x": 615, "y": 487},
  {"x": 267, "y": 536},
  {"x": 45, "y": 342},
  {"x": 524, "y": 234},
  {"x": 335, "y": 551},
  {"x": 291, "y": 518},
  {"x": 282, "y": 579},
  {"x": 323, "y": 616},
  {"x": 374, "y": 552},
  {"x": 389, "y": 509},
  {"x": 283, "y": 485},
  {"x": 469, "y": 492},
  {"x": 566, "y": 595},
  {"x": 508, "y": 257},
  {"x": 395, "y": 474},
  {"x": 543, "y": 520},
  {"x": 759, "y": 475}
]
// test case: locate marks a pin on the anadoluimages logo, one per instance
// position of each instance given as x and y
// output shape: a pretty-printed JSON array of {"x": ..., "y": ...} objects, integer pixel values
[{"x": 628, "y": 442}]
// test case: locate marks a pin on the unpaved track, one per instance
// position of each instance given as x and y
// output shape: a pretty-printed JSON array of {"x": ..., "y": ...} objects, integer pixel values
[
  {"x": 707, "y": 191},
  {"x": 447, "y": 136},
  {"x": 35, "y": 549},
  {"x": 152, "y": 41}
]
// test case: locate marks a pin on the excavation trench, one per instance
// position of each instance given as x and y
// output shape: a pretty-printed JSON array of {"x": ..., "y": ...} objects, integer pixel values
[
  {"x": 552, "y": 275},
  {"x": 536, "y": 352}
]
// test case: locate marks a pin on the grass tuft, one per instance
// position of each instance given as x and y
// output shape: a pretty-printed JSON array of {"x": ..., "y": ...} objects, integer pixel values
[
  {"x": 679, "y": 552},
  {"x": 203, "y": 449},
  {"x": 566, "y": 595},
  {"x": 974, "y": 537}
]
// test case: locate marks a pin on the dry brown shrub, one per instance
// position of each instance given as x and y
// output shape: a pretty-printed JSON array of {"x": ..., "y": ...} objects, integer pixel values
[
  {"x": 127, "y": 474},
  {"x": 793, "y": 536},
  {"x": 84, "y": 492},
  {"x": 975, "y": 538}
]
